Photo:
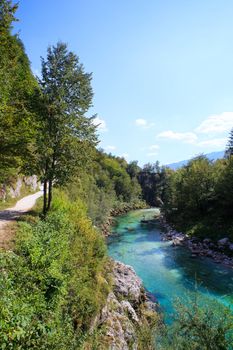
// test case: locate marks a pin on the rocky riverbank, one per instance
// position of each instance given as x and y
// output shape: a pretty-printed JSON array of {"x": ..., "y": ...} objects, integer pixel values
[
  {"x": 127, "y": 311},
  {"x": 220, "y": 251}
]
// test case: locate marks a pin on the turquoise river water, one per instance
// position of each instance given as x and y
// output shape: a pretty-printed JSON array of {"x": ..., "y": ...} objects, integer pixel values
[{"x": 167, "y": 272}]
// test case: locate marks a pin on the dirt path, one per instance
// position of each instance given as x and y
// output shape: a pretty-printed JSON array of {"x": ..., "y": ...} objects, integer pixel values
[{"x": 9, "y": 216}]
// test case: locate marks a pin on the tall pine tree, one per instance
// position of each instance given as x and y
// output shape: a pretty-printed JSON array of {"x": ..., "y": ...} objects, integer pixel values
[{"x": 229, "y": 148}]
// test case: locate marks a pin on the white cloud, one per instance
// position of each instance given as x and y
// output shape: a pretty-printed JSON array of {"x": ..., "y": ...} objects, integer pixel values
[
  {"x": 186, "y": 137},
  {"x": 216, "y": 123},
  {"x": 216, "y": 143},
  {"x": 153, "y": 150},
  {"x": 153, "y": 147},
  {"x": 100, "y": 123},
  {"x": 110, "y": 148},
  {"x": 143, "y": 123}
]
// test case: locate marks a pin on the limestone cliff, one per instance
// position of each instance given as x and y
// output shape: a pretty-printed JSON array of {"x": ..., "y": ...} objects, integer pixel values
[
  {"x": 15, "y": 187},
  {"x": 128, "y": 312}
]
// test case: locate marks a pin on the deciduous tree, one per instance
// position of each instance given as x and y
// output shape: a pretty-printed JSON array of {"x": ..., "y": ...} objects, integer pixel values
[
  {"x": 17, "y": 87},
  {"x": 66, "y": 135}
]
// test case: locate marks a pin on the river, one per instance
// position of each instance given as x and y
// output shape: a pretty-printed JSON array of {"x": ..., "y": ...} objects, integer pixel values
[{"x": 167, "y": 272}]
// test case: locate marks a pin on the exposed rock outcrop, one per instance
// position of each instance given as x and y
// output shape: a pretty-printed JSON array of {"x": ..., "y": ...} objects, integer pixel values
[
  {"x": 14, "y": 188},
  {"x": 127, "y": 309}
]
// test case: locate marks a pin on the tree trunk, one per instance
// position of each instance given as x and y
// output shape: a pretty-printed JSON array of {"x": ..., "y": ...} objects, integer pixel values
[
  {"x": 50, "y": 189},
  {"x": 50, "y": 194},
  {"x": 45, "y": 198}
]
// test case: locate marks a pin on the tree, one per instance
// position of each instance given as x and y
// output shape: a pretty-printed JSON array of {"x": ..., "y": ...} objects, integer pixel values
[
  {"x": 224, "y": 193},
  {"x": 229, "y": 148},
  {"x": 17, "y": 88},
  {"x": 133, "y": 169},
  {"x": 66, "y": 136},
  {"x": 152, "y": 179}
]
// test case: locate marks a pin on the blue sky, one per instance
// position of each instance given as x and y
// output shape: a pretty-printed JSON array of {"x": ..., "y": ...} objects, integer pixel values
[{"x": 162, "y": 69}]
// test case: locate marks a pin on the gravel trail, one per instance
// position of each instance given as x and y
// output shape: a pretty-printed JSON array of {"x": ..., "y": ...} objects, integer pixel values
[{"x": 10, "y": 215}]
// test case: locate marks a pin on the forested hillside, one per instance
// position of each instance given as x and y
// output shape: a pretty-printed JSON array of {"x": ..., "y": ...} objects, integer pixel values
[
  {"x": 199, "y": 196},
  {"x": 17, "y": 87}
]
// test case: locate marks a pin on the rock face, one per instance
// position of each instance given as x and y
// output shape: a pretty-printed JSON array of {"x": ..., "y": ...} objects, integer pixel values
[
  {"x": 127, "y": 283},
  {"x": 14, "y": 189},
  {"x": 127, "y": 308}
]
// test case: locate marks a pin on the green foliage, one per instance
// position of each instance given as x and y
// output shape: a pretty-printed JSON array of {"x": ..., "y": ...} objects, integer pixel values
[
  {"x": 147, "y": 331},
  {"x": 104, "y": 186},
  {"x": 198, "y": 197},
  {"x": 152, "y": 181},
  {"x": 17, "y": 88},
  {"x": 229, "y": 148},
  {"x": 66, "y": 138},
  {"x": 199, "y": 327},
  {"x": 53, "y": 284}
]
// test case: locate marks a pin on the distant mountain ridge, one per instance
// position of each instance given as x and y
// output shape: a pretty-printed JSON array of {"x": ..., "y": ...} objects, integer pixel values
[{"x": 211, "y": 156}]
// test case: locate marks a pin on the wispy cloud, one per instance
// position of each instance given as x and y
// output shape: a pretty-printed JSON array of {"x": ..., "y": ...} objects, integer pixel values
[
  {"x": 153, "y": 147},
  {"x": 216, "y": 123},
  {"x": 186, "y": 137},
  {"x": 143, "y": 123},
  {"x": 101, "y": 124},
  {"x": 153, "y": 150}
]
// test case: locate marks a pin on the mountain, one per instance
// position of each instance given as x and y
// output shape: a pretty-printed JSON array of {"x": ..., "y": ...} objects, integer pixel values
[{"x": 211, "y": 156}]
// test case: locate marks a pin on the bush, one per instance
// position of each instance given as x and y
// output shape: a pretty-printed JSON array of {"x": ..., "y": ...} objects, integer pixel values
[
  {"x": 53, "y": 284},
  {"x": 199, "y": 326}
]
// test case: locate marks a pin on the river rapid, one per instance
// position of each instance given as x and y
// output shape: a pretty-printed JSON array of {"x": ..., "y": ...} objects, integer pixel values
[{"x": 167, "y": 272}]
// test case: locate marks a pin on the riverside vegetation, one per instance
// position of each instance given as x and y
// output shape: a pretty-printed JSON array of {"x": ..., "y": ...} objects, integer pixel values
[{"x": 58, "y": 278}]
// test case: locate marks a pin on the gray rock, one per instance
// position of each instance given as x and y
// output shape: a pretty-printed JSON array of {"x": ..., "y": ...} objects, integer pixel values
[
  {"x": 121, "y": 316},
  {"x": 127, "y": 283},
  {"x": 223, "y": 241},
  {"x": 127, "y": 307},
  {"x": 15, "y": 189},
  {"x": 206, "y": 240},
  {"x": 31, "y": 181}
]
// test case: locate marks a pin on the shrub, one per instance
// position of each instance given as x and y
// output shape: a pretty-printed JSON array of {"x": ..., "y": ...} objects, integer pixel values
[
  {"x": 199, "y": 326},
  {"x": 53, "y": 284}
]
